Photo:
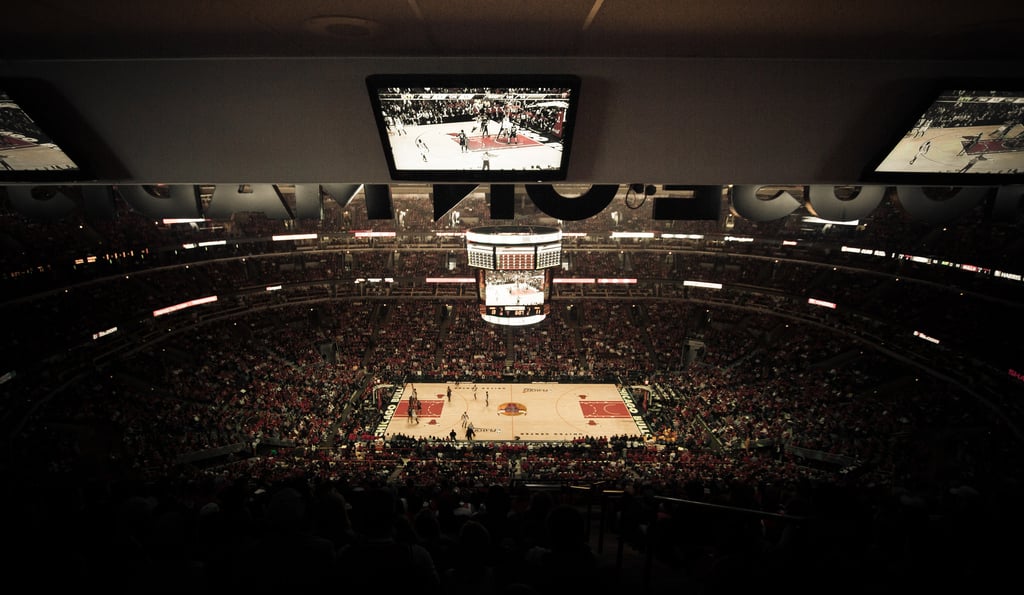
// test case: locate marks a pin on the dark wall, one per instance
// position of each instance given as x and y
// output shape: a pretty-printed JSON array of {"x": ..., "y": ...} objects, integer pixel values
[{"x": 665, "y": 121}]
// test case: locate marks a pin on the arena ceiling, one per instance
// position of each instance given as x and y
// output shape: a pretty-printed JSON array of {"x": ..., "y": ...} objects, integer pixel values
[
  {"x": 791, "y": 29},
  {"x": 693, "y": 92}
]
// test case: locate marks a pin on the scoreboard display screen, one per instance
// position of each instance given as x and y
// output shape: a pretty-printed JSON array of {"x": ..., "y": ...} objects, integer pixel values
[
  {"x": 516, "y": 311},
  {"x": 514, "y": 267},
  {"x": 506, "y": 297},
  {"x": 516, "y": 258},
  {"x": 513, "y": 288}
]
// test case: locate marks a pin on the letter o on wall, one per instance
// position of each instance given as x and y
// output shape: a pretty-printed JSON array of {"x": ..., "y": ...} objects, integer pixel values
[{"x": 584, "y": 206}]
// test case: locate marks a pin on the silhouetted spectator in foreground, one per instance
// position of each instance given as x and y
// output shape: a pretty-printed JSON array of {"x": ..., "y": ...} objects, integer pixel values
[
  {"x": 473, "y": 564},
  {"x": 286, "y": 556},
  {"x": 377, "y": 557},
  {"x": 565, "y": 563}
]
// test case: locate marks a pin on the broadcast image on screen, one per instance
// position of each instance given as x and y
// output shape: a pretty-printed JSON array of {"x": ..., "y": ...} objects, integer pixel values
[
  {"x": 475, "y": 131},
  {"x": 514, "y": 288},
  {"x": 963, "y": 133},
  {"x": 24, "y": 146}
]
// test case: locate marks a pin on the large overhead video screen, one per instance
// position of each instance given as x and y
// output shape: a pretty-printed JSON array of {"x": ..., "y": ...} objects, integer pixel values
[
  {"x": 29, "y": 151},
  {"x": 965, "y": 135},
  {"x": 475, "y": 128}
]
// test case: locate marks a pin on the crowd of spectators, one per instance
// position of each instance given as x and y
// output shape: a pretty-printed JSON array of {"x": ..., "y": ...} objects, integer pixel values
[
  {"x": 14, "y": 120},
  {"x": 794, "y": 411},
  {"x": 419, "y": 112},
  {"x": 964, "y": 108},
  {"x": 205, "y": 422}
]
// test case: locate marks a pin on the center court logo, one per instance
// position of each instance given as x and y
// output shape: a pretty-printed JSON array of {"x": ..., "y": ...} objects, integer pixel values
[{"x": 511, "y": 409}]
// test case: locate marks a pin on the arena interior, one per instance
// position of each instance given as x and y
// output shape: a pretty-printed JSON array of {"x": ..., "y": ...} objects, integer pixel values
[
  {"x": 751, "y": 397},
  {"x": 228, "y": 351}
]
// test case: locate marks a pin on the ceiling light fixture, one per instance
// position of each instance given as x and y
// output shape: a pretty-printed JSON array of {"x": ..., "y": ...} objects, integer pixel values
[{"x": 342, "y": 27}]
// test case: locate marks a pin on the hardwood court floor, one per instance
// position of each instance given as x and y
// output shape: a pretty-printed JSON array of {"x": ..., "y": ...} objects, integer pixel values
[{"x": 539, "y": 411}]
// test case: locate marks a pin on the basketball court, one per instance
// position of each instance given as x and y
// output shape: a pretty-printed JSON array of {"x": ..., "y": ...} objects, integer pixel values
[
  {"x": 436, "y": 146},
  {"x": 539, "y": 412},
  {"x": 976, "y": 149},
  {"x": 20, "y": 153}
]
